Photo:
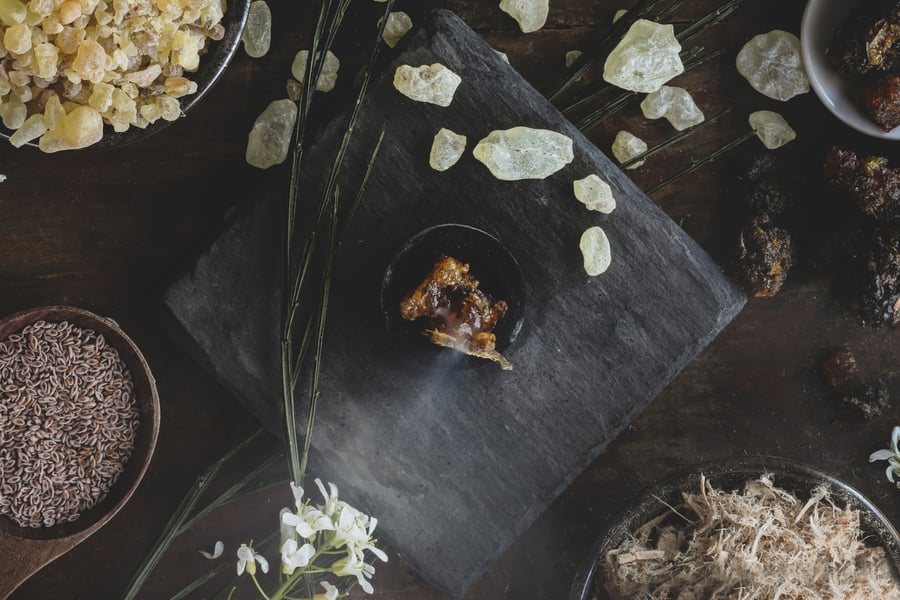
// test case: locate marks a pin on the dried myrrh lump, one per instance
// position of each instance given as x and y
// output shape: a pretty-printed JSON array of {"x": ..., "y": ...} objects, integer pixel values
[
  {"x": 119, "y": 62},
  {"x": 762, "y": 542}
]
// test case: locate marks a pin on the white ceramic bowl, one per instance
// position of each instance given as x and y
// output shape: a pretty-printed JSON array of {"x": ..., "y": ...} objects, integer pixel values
[{"x": 820, "y": 21}]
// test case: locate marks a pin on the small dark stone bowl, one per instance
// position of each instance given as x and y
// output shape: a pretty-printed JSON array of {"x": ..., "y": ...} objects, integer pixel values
[
  {"x": 492, "y": 264},
  {"x": 212, "y": 64},
  {"x": 730, "y": 475}
]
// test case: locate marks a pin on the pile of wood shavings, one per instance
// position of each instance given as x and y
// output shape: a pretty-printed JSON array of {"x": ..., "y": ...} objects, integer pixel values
[{"x": 762, "y": 544}]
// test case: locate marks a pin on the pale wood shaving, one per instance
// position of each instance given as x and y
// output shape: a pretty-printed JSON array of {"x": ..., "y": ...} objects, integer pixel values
[{"x": 762, "y": 543}]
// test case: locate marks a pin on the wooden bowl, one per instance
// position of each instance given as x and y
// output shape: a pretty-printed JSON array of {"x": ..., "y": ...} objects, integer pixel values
[{"x": 36, "y": 547}]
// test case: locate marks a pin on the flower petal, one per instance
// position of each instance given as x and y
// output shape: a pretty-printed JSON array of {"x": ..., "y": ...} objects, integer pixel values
[
  {"x": 298, "y": 494},
  {"x": 379, "y": 553},
  {"x": 263, "y": 563},
  {"x": 244, "y": 553},
  {"x": 890, "y": 473},
  {"x": 880, "y": 455},
  {"x": 895, "y": 438},
  {"x": 218, "y": 549}
]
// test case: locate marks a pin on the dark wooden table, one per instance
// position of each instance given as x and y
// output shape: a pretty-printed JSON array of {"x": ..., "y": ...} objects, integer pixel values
[{"x": 107, "y": 230}]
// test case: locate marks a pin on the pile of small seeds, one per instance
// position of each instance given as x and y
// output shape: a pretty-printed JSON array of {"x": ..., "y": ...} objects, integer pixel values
[{"x": 68, "y": 420}]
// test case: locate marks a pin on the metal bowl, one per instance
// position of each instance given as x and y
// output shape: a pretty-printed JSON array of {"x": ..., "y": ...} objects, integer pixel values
[
  {"x": 821, "y": 20},
  {"x": 212, "y": 64},
  {"x": 730, "y": 475}
]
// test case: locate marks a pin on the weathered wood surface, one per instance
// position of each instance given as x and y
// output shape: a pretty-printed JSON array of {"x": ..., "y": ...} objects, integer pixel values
[{"x": 105, "y": 230}]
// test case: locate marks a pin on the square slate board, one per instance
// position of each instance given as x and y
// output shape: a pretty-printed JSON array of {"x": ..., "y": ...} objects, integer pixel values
[{"x": 456, "y": 457}]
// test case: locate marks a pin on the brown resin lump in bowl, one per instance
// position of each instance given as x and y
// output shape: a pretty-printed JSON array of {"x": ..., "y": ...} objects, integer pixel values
[
  {"x": 143, "y": 65},
  {"x": 43, "y": 540}
]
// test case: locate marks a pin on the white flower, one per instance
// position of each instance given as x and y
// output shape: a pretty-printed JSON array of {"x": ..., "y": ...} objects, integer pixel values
[
  {"x": 247, "y": 559},
  {"x": 218, "y": 549},
  {"x": 353, "y": 566},
  {"x": 331, "y": 497},
  {"x": 354, "y": 529},
  {"x": 294, "y": 556},
  {"x": 892, "y": 455},
  {"x": 307, "y": 520},
  {"x": 331, "y": 592}
]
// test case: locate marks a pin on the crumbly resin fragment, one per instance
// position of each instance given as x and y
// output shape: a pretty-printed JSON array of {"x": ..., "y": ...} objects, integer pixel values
[
  {"x": 79, "y": 129},
  {"x": 270, "y": 138},
  {"x": 572, "y": 56},
  {"x": 257, "y": 36},
  {"x": 434, "y": 84},
  {"x": 446, "y": 150},
  {"x": 596, "y": 251},
  {"x": 397, "y": 26},
  {"x": 327, "y": 78},
  {"x": 771, "y": 129},
  {"x": 626, "y": 146},
  {"x": 674, "y": 104},
  {"x": 759, "y": 542},
  {"x": 772, "y": 64},
  {"x": 529, "y": 14},
  {"x": 619, "y": 14},
  {"x": 595, "y": 194},
  {"x": 524, "y": 153},
  {"x": 645, "y": 59}
]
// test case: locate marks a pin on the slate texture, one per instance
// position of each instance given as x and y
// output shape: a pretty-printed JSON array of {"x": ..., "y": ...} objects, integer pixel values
[{"x": 454, "y": 456}]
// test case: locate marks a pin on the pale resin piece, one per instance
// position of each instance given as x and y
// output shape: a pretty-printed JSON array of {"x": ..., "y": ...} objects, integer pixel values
[
  {"x": 645, "y": 59},
  {"x": 447, "y": 149},
  {"x": 596, "y": 251},
  {"x": 257, "y": 36},
  {"x": 772, "y": 64},
  {"x": 79, "y": 129},
  {"x": 328, "y": 76},
  {"x": 13, "y": 114},
  {"x": 524, "y": 153},
  {"x": 34, "y": 127},
  {"x": 675, "y": 104},
  {"x": 771, "y": 129},
  {"x": 619, "y": 14},
  {"x": 626, "y": 146},
  {"x": 398, "y": 25},
  {"x": 529, "y": 14},
  {"x": 294, "y": 89},
  {"x": 595, "y": 194},
  {"x": 572, "y": 56},
  {"x": 435, "y": 84},
  {"x": 502, "y": 56},
  {"x": 270, "y": 138}
]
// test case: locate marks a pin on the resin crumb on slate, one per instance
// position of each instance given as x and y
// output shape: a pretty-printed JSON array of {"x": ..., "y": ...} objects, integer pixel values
[
  {"x": 446, "y": 150},
  {"x": 595, "y": 194},
  {"x": 270, "y": 138},
  {"x": 771, "y": 64},
  {"x": 771, "y": 129},
  {"x": 524, "y": 153},
  {"x": 879, "y": 298},
  {"x": 433, "y": 84},
  {"x": 839, "y": 367},
  {"x": 869, "y": 181},
  {"x": 646, "y": 58},
  {"x": 531, "y": 15},
  {"x": 596, "y": 251},
  {"x": 572, "y": 56},
  {"x": 764, "y": 257},
  {"x": 257, "y": 36},
  {"x": 674, "y": 104},
  {"x": 626, "y": 146},
  {"x": 866, "y": 403}
]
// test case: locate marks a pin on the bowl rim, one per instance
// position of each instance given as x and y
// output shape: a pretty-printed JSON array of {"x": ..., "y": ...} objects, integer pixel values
[
  {"x": 147, "y": 433},
  {"x": 583, "y": 586},
  {"x": 814, "y": 64}
]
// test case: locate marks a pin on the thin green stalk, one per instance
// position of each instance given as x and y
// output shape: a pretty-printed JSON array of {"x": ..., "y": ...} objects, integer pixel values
[
  {"x": 180, "y": 516},
  {"x": 228, "y": 495},
  {"x": 362, "y": 187},
  {"x": 682, "y": 135},
  {"x": 709, "y": 19},
  {"x": 699, "y": 163}
]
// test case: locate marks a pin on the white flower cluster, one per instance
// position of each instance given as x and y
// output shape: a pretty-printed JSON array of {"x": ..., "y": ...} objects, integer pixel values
[
  {"x": 892, "y": 455},
  {"x": 335, "y": 525}
]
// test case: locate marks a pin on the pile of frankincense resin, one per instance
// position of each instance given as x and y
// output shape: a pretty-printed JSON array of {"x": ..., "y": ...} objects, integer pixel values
[
  {"x": 68, "y": 421},
  {"x": 762, "y": 542},
  {"x": 69, "y": 66}
]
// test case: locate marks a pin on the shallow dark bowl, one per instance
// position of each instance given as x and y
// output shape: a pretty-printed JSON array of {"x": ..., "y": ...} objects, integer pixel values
[
  {"x": 212, "y": 65},
  {"x": 730, "y": 475},
  {"x": 492, "y": 264},
  {"x": 148, "y": 406}
]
